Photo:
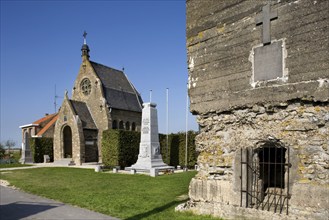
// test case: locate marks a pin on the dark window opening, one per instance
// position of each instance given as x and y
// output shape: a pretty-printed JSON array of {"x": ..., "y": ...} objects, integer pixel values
[
  {"x": 127, "y": 126},
  {"x": 114, "y": 124},
  {"x": 121, "y": 125},
  {"x": 265, "y": 177},
  {"x": 272, "y": 166},
  {"x": 133, "y": 126}
]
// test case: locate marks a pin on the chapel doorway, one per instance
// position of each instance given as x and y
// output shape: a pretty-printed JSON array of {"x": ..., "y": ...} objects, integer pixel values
[
  {"x": 67, "y": 139},
  {"x": 265, "y": 177}
]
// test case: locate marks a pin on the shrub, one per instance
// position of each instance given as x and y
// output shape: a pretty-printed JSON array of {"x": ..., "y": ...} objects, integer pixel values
[
  {"x": 120, "y": 148},
  {"x": 191, "y": 152},
  {"x": 40, "y": 147},
  {"x": 2, "y": 151}
]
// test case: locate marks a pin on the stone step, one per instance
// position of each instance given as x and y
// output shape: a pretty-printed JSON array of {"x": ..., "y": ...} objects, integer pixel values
[{"x": 64, "y": 162}]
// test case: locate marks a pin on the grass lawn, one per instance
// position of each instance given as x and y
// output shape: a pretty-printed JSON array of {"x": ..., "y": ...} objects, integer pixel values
[
  {"x": 118, "y": 195},
  {"x": 10, "y": 165}
]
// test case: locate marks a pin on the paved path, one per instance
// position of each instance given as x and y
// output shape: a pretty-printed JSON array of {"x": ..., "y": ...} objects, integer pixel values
[
  {"x": 39, "y": 165},
  {"x": 15, "y": 204}
]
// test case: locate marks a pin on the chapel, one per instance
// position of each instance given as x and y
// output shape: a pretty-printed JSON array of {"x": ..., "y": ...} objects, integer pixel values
[{"x": 102, "y": 98}]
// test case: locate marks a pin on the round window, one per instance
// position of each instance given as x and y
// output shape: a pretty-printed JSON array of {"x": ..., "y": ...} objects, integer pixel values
[{"x": 85, "y": 86}]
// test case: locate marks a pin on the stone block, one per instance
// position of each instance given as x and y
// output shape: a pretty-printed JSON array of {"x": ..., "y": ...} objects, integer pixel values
[
  {"x": 268, "y": 62},
  {"x": 46, "y": 158},
  {"x": 154, "y": 172},
  {"x": 98, "y": 168}
]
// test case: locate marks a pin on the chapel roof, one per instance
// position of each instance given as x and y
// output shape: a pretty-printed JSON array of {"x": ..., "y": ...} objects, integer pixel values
[
  {"x": 118, "y": 90},
  {"x": 82, "y": 110}
]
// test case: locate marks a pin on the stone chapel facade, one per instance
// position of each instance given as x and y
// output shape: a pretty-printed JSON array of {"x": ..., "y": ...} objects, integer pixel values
[
  {"x": 102, "y": 98},
  {"x": 259, "y": 83}
]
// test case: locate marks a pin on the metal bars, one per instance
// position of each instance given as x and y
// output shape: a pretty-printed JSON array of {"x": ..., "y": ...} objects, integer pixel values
[{"x": 265, "y": 178}]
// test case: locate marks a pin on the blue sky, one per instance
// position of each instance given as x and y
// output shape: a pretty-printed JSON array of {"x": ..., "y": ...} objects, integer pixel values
[{"x": 40, "y": 48}]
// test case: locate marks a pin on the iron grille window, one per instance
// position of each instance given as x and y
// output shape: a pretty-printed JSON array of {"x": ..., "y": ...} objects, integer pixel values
[{"x": 265, "y": 178}]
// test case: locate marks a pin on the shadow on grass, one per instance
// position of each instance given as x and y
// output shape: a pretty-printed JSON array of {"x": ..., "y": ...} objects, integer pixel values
[{"x": 156, "y": 210}]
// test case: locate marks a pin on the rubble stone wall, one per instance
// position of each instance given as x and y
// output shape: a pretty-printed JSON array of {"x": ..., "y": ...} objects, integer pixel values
[
  {"x": 303, "y": 127},
  {"x": 235, "y": 112}
]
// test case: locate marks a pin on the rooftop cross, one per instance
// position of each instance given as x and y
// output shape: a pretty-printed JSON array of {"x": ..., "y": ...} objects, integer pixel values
[
  {"x": 265, "y": 18},
  {"x": 84, "y": 37}
]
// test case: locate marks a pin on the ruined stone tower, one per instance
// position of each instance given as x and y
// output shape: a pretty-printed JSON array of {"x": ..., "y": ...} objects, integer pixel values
[{"x": 259, "y": 83}]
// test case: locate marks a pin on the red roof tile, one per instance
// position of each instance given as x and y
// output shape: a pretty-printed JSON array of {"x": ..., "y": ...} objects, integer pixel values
[
  {"x": 45, "y": 128},
  {"x": 44, "y": 118}
]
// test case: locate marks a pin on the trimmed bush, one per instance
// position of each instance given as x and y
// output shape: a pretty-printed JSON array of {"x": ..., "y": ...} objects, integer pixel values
[
  {"x": 40, "y": 147},
  {"x": 170, "y": 157},
  {"x": 120, "y": 148},
  {"x": 191, "y": 152}
]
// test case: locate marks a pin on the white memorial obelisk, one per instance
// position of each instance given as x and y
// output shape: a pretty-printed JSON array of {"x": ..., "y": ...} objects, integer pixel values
[{"x": 149, "y": 156}]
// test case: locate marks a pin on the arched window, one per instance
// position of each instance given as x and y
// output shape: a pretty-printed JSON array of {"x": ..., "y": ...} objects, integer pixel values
[
  {"x": 121, "y": 125},
  {"x": 114, "y": 124},
  {"x": 133, "y": 126},
  {"x": 127, "y": 126}
]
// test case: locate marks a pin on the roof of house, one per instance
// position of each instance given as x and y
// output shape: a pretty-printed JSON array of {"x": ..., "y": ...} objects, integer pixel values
[
  {"x": 44, "y": 123},
  {"x": 82, "y": 110},
  {"x": 47, "y": 117},
  {"x": 47, "y": 126},
  {"x": 119, "y": 92}
]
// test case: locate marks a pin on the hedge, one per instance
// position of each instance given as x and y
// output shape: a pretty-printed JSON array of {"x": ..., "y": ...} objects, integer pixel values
[
  {"x": 176, "y": 148},
  {"x": 121, "y": 148},
  {"x": 40, "y": 147},
  {"x": 191, "y": 152}
]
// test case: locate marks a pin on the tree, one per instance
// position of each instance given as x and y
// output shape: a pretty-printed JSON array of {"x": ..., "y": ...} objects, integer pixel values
[
  {"x": 2, "y": 150},
  {"x": 10, "y": 144}
]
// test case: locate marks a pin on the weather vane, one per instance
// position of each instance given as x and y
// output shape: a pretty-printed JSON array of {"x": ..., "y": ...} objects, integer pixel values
[{"x": 84, "y": 37}]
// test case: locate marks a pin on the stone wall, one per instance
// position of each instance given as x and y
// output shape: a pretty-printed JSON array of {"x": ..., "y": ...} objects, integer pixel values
[
  {"x": 301, "y": 127},
  {"x": 127, "y": 116},
  {"x": 67, "y": 117},
  {"x": 221, "y": 36},
  {"x": 237, "y": 113},
  {"x": 95, "y": 100}
]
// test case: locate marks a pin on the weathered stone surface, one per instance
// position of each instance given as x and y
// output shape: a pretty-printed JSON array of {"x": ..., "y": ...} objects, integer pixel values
[
  {"x": 296, "y": 125},
  {"x": 220, "y": 38},
  {"x": 286, "y": 106}
]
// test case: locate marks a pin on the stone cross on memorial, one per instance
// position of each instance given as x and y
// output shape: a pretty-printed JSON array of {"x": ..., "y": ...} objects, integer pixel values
[{"x": 265, "y": 18}]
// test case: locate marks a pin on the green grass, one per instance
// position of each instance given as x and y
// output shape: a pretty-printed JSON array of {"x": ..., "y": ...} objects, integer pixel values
[
  {"x": 10, "y": 165},
  {"x": 119, "y": 195}
]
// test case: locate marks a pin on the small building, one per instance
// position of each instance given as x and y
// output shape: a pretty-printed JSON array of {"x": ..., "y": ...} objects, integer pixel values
[
  {"x": 43, "y": 127},
  {"x": 259, "y": 83}
]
